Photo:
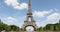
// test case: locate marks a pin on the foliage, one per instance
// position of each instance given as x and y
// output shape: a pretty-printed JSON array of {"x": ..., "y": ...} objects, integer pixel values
[
  {"x": 48, "y": 27},
  {"x": 14, "y": 28},
  {"x": 9, "y": 28},
  {"x": 4, "y": 26}
]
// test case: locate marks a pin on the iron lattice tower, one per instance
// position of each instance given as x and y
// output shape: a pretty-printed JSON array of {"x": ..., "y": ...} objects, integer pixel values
[
  {"x": 29, "y": 16},
  {"x": 29, "y": 13}
]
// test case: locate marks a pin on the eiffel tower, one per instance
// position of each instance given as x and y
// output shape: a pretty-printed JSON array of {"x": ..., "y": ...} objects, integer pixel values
[{"x": 29, "y": 19}]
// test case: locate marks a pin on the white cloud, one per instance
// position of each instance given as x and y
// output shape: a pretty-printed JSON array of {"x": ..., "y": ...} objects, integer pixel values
[
  {"x": 56, "y": 9},
  {"x": 53, "y": 16},
  {"x": 51, "y": 19},
  {"x": 11, "y": 19},
  {"x": 16, "y": 5},
  {"x": 42, "y": 13}
]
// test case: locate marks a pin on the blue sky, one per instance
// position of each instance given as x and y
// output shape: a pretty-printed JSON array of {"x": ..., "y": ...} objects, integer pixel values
[{"x": 13, "y": 12}]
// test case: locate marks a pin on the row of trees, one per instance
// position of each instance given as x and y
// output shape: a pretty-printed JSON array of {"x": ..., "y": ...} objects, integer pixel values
[
  {"x": 9, "y": 27},
  {"x": 50, "y": 27}
]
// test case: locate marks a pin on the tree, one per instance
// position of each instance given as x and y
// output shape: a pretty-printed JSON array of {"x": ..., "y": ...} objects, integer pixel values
[
  {"x": 39, "y": 29},
  {"x": 4, "y": 26},
  {"x": 14, "y": 28}
]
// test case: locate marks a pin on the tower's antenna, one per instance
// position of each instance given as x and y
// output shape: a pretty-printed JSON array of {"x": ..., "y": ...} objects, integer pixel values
[{"x": 29, "y": 7}]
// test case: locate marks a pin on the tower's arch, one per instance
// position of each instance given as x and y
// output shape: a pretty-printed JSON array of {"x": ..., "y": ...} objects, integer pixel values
[{"x": 29, "y": 25}]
